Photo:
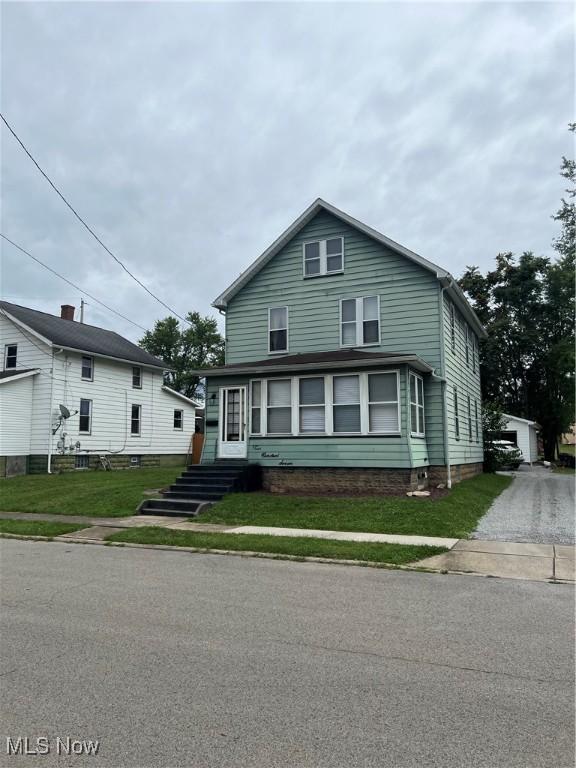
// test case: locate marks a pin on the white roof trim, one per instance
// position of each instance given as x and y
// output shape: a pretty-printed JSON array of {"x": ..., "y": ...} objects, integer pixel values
[
  {"x": 317, "y": 206},
  {"x": 517, "y": 418},
  {"x": 27, "y": 328},
  {"x": 189, "y": 400},
  {"x": 18, "y": 376}
]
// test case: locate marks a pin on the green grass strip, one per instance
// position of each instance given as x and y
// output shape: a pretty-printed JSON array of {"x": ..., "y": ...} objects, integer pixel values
[
  {"x": 37, "y": 527},
  {"x": 279, "y": 545},
  {"x": 454, "y": 515}
]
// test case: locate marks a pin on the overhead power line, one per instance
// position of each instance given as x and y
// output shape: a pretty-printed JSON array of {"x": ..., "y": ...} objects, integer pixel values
[
  {"x": 84, "y": 224},
  {"x": 23, "y": 250}
]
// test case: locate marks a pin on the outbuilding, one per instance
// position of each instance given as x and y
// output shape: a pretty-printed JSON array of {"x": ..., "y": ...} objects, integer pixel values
[{"x": 524, "y": 434}]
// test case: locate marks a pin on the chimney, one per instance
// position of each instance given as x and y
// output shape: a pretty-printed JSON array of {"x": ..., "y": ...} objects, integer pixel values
[{"x": 67, "y": 312}]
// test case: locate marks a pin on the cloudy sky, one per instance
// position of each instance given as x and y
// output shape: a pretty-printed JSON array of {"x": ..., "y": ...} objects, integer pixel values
[{"x": 190, "y": 135}]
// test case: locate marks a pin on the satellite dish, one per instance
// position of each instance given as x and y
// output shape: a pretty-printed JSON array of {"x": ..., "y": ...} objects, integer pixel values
[{"x": 64, "y": 412}]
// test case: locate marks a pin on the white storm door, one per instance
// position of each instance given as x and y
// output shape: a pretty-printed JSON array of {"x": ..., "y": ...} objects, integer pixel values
[{"x": 232, "y": 423}]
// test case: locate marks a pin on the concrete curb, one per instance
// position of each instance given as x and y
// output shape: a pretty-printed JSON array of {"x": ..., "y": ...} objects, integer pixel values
[{"x": 275, "y": 556}]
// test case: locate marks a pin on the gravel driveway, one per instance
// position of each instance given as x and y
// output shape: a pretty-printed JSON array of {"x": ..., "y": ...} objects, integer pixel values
[{"x": 538, "y": 507}]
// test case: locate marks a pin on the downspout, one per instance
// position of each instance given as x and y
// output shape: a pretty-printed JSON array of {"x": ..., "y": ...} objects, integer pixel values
[
  {"x": 49, "y": 469},
  {"x": 444, "y": 385}
]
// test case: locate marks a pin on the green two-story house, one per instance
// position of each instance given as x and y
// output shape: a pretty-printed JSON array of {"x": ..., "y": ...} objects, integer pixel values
[{"x": 351, "y": 365}]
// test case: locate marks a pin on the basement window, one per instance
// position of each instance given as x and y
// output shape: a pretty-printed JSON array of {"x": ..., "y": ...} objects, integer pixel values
[
  {"x": 82, "y": 461},
  {"x": 135, "y": 461}
]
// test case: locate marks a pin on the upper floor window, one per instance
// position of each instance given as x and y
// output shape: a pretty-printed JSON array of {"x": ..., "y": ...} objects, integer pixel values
[
  {"x": 10, "y": 355},
  {"x": 452, "y": 327},
  {"x": 135, "y": 419},
  {"x": 417, "y": 405},
  {"x": 360, "y": 321},
  {"x": 470, "y": 346},
  {"x": 136, "y": 377},
  {"x": 85, "y": 423},
  {"x": 178, "y": 419},
  {"x": 324, "y": 257},
  {"x": 87, "y": 368},
  {"x": 278, "y": 329}
]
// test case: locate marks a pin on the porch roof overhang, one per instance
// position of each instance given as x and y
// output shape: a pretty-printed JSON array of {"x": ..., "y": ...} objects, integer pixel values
[{"x": 320, "y": 361}]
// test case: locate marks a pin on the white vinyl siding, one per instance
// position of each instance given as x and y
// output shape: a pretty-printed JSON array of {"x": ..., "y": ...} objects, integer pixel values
[
  {"x": 278, "y": 329},
  {"x": 360, "y": 321},
  {"x": 342, "y": 404},
  {"x": 323, "y": 257},
  {"x": 417, "y": 405}
]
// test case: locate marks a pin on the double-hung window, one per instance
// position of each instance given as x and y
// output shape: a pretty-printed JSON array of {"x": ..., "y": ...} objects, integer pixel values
[
  {"x": 10, "y": 355},
  {"x": 324, "y": 257},
  {"x": 135, "y": 419},
  {"x": 469, "y": 418},
  {"x": 178, "y": 419},
  {"x": 256, "y": 408},
  {"x": 136, "y": 377},
  {"x": 87, "y": 368},
  {"x": 85, "y": 422},
  {"x": 360, "y": 321},
  {"x": 278, "y": 329},
  {"x": 311, "y": 398},
  {"x": 476, "y": 418},
  {"x": 417, "y": 405},
  {"x": 456, "y": 415},
  {"x": 279, "y": 407},
  {"x": 346, "y": 399},
  {"x": 383, "y": 414}
]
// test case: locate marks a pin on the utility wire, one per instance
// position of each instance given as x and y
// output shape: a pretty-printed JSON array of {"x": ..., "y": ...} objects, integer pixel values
[
  {"x": 70, "y": 282},
  {"x": 81, "y": 220}
]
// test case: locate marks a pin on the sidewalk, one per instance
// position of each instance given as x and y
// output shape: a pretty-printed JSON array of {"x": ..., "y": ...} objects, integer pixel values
[{"x": 504, "y": 559}]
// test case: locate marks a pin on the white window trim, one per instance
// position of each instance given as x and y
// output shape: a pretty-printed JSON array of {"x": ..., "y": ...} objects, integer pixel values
[
  {"x": 476, "y": 420},
  {"x": 456, "y": 413},
  {"x": 80, "y": 415},
  {"x": 139, "y": 406},
  {"x": 452, "y": 311},
  {"x": 6, "y": 346},
  {"x": 299, "y": 405},
  {"x": 91, "y": 377},
  {"x": 287, "y": 329},
  {"x": 323, "y": 257},
  {"x": 470, "y": 432},
  {"x": 136, "y": 386},
  {"x": 252, "y": 405},
  {"x": 328, "y": 405},
  {"x": 181, "y": 427},
  {"x": 416, "y": 433},
  {"x": 360, "y": 322}
]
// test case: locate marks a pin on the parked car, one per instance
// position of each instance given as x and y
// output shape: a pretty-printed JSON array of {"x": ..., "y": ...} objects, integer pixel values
[{"x": 509, "y": 455}]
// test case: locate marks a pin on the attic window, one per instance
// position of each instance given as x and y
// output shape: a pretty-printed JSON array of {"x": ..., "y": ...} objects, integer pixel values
[
  {"x": 324, "y": 257},
  {"x": 10, "y": 355}
]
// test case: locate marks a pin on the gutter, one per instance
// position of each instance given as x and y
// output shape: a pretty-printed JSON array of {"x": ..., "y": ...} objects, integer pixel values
[{"x": 414, "y": 361}]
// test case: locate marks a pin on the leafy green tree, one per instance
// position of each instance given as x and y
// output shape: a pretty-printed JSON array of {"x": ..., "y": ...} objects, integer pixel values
[
  {"x": 527, "y": 307},
  {"x": 184, "y": 349}
]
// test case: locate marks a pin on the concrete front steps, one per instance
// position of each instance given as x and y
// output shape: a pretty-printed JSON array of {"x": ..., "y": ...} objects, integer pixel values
[{"x": 201, "y": 484}]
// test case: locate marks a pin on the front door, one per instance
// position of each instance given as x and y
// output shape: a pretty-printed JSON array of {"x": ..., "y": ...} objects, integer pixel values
[{"x": 232, "y": 423}]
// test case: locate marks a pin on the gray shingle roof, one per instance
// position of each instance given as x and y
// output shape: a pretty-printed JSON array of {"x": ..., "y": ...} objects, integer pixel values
[{"x": 85, "y": 338}]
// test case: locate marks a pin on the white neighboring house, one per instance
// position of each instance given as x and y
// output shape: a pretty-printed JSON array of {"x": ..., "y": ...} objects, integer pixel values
[
  {"x": 524, "y": 433},
  {"x": 113, "y": 390}
]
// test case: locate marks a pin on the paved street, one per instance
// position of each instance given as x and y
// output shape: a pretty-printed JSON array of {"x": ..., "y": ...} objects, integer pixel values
[
  {"x": 173, "y": 659},
  {"x": 538, "y": 507}
]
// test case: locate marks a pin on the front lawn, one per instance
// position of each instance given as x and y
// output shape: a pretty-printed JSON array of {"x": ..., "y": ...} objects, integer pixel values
[
  {"x": 37, "y": 528},
  {"x": 454, "y": 515},
  {"x": 94, "y": 494},
  {"x": 395, "y": 554}
]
